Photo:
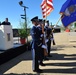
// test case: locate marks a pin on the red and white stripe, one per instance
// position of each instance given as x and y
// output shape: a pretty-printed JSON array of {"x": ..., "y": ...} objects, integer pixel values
[{"x": 47, "y": 7}]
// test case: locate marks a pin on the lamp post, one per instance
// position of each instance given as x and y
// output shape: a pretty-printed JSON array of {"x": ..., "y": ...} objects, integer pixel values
[{"x": 24, "y": 16}]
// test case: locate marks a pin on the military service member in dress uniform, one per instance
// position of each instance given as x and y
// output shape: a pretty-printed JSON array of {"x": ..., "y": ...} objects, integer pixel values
[
  {"x": 36, "y": 45},
  {"x": 48, "y": 32},
  {"x": 43, "y": 45},
  {"x": 52, "y": 38}
]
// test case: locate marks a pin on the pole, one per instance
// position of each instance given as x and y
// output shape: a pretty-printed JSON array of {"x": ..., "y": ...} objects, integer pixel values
[
  {"x": 58, "y": 20},
  {"x": 25, "y": 21},
  {"x": 46, "y": 12}
]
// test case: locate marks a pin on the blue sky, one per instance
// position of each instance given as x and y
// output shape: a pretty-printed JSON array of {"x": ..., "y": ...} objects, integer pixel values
[{"x": 12, "y": 10}]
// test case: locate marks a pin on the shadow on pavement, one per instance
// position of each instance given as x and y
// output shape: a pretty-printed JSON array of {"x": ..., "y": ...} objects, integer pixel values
[
  {"x": 24, "y": 74},
  {"x": 8, "y": 65},
  {"x": 56, "y": 56},
  {"x": 69, "y": 64},
  {"x": 55, "y": 49},
  {"x": 69, "y": 71},
  {"x": 61, "y": 65},
  {"x": 27, "y": 56},
  {"x": 63, "y": 46}
]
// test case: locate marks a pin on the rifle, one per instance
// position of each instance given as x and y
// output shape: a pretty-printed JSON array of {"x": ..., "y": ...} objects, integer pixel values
[{"x": 45, "y": 51}]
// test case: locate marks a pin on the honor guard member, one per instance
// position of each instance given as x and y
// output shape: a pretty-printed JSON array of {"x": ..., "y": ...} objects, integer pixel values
[
  {"x": 43, "y": 46},
  {"x": 48, "y": 32},
  {"x": 52, "y": 38},
  {"x": 36, "y": 45},
  {"x": 44, "y": 38}
]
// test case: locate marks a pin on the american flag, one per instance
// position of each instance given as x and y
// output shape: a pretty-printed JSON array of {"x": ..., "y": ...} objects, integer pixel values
[{"x": 47, "y": 7}]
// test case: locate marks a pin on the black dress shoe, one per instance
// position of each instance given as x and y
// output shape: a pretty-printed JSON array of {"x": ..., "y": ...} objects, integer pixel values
[
  {"x": 46, "y": 58},
  {"x": 42, "y": 64},
  {"x": 49, "y": 55},
  {"x": 38, "y": 70},
  {"x": 34, "y": 70}
]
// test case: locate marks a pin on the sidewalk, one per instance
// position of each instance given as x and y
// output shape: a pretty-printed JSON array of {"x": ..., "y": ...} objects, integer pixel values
[{"x": 63, "y": 61}]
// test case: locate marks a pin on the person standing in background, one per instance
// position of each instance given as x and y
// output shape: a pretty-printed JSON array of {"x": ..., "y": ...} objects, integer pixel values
[{"x": 6, "y": 22}]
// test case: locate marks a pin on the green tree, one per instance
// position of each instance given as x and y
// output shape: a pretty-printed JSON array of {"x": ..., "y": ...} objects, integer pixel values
[
  {"x": 23, "y": 33},
  {"x": 75, "y": 25}
]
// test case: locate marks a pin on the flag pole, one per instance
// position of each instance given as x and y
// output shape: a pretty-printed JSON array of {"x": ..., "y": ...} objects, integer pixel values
[
  {"x": 58, "y": 20},
  {"x": 46, "y": 12}
]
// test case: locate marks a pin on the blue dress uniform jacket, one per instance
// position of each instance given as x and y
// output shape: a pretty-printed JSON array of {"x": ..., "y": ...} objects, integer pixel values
[
  {"x": 48, "y": 31},
  {"x": 41, "y": 40},
  {"x": 48, "y": 36},
  {"x": 36, "y": 46}
]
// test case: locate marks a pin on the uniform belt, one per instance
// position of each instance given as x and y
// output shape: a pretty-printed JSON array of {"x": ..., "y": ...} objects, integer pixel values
[{"x": 37, "y": 39}]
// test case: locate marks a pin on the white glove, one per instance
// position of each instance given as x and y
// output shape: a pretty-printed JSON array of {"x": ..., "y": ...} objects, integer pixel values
[
  {"x": 46, "y": 40},
  {"x": 52, "y": 39},
  {"x": 43, "y": 46},
  {"x": 41, "y": 35}
]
